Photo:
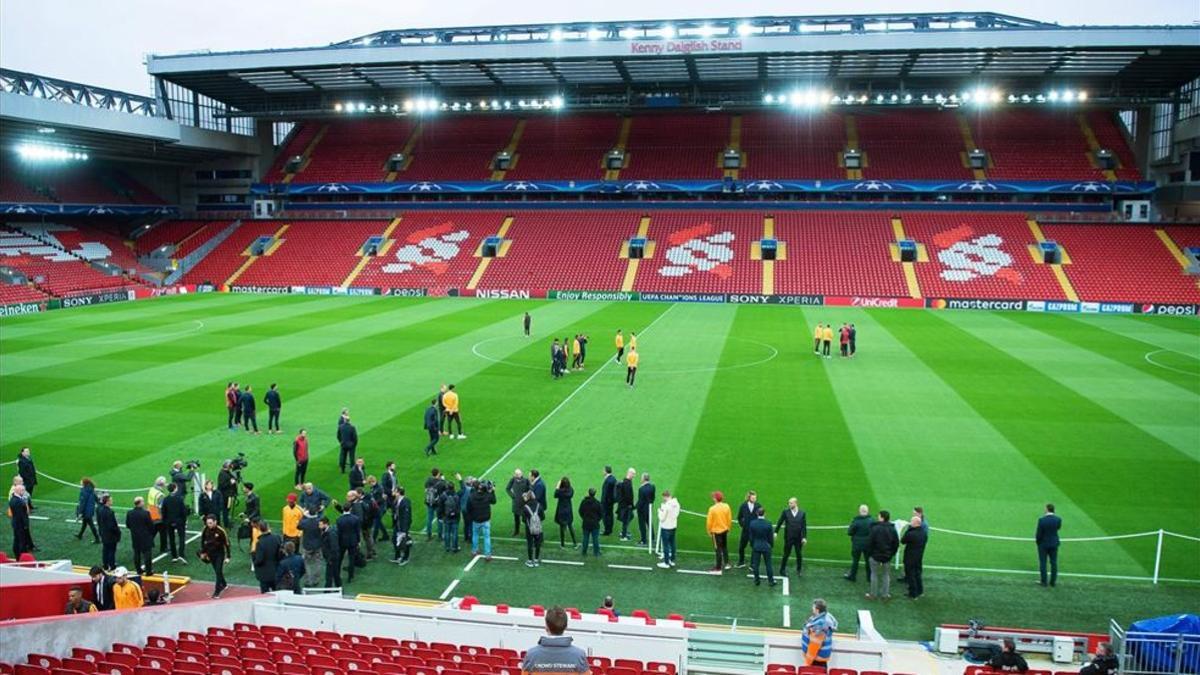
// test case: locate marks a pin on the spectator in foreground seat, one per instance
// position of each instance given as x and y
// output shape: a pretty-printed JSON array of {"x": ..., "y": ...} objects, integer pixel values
[
  {"x": 1103, "y": 662},
  {"x": 1008, "y": 660},
  {"x": 554, "y": 652},
  {"x": 816, "y": 644}
]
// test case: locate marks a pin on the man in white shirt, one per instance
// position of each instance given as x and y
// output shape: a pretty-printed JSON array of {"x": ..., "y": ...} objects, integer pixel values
[{"x": 668, "y": 520}]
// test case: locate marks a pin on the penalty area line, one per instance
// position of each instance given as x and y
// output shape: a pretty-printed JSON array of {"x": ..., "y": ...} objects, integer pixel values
[{"x": 446, "y": 593}]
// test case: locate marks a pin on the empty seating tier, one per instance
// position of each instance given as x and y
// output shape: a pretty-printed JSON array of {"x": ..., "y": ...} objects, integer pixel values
[
  {"x": 548, "y": 247},
  {"x": 1122, "y": 264},
  {"x": 837, "y": 253},
  {"x": 431, "y": 249},
  {"x": 676, "y": 146},
  {"x": 313, "y": 253}
]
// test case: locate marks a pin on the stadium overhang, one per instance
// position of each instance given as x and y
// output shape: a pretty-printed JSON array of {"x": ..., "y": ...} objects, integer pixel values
[
  {"x": 708, "y": 60},
  {"x": 106, "y": 124}
]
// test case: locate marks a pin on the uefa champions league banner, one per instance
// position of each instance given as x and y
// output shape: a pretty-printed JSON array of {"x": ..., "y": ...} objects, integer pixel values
[
  {"x": 18, "y": 209},
  {"x": 522, "y": 187}
]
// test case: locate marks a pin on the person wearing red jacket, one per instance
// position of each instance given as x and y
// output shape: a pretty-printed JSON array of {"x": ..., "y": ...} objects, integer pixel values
[
  {"x": 300, "y": 454},
  {"x": 231, "y": 402}
]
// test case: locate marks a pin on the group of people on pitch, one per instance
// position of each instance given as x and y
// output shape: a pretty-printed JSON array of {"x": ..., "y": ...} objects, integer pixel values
[
  {"x": 573, "y": 347},
  {"x": 242, "y": 409},
  {"x": 823, "y": 339}
]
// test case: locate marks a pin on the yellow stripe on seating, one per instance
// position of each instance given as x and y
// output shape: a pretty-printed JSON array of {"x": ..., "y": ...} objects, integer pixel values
[
  {"x": 852, "y": 144},
  {"x": 365, "y": 260},
  {"x": 511, "y": 149},
  {"x": 735, "y": 143},
  {"x": 1176, "y": 252},
  {"x": 252, "y": 258},
  {"x": 1059, "y": 273},
  {"x": 484, "y": 262},
  {"x": 969, "y": 145},
  {"x": 631, "y": 269},
  {"x": 1093, "y": 145},
  {"x": 910, "y": 270},
  {"x": 768, "y": 266},
  {"x": 307, "y": 154},
  {"x": 622, "y": 140}
]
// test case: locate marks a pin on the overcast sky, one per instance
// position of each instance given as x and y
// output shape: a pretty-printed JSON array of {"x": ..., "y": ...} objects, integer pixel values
[{"x": 104, "y": 42}]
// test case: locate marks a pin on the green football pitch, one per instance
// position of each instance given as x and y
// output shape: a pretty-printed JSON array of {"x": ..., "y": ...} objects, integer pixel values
[{"x": 979, "y": 417}]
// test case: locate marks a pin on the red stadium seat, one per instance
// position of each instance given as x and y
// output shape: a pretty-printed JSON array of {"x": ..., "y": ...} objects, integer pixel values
[
  {"x": 43, "y": 661},
  {"x": 660, "y": 667},
  {"x": 87, "y": 654},
  {"x": 110, "y": 668},
  {"x": 78, "y": 665},
  {"x": 27, "y": 669}
]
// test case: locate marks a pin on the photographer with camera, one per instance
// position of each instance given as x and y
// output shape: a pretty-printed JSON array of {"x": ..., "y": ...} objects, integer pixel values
[
  {"x": 227, "y": 482},
  {"x": 480, "y": 509},
  {"x": 183, "y": 476}
]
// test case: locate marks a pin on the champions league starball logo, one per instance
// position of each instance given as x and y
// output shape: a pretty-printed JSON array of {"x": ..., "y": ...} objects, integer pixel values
[
  {"x": 763, "y": 186},
  {"x": 872, "y": 185},
  {"x": 333, "y": 187},
  {"x": 424, "y": 186},
  {"x": 1091, "y": 186},
  {"x": 640, "y": 186},
  {"x": 521, "y": 186},
  {"x": 977, "y": 186}
]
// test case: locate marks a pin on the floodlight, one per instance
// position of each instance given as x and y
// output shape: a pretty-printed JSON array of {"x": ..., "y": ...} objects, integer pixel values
[
  {"x": 1053, "y": 95},
  {"x": 595, "y": 34},
  {"x": 557, "y": 102},
  {"x": 337, "y": 107},
  {"x": 706, "y": 30},
  {"x": 556, "y": 35},
  {"x": 744, "y": 29},
  {"x": 1081, "y": 96},
  {"x": 668, "y": 31}
]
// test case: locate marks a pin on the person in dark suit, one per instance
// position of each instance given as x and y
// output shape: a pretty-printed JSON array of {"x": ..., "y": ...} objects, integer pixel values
[
  {"x": 141, "y": 533},
  {"x": 248, "y": 416},
  {"x": 401, "y": 524},
  {"x": 274, "y": 404},
  {"x": 745, "y": 516},
  {"x": 564, "y": 512},
  {"x": 914, "y": 540},
  {"x": 882, "y": 544},
  {"x": 28, "y": 473},
  {"x": 210, "y": 501},
  {"x": 22, "y": 535},
  {"x": 517, "y": 486},
  {"x": 174, "y": 519},
  {"x": 762, "y": 538},
  {"x": 347, "y": 442},
  {"x": 859, "y": 533},
  {"x": 101, "y": 588},
  {"x": 331, "y": 553},
  {"x": 591, "y": 512},
  {"x": 794, "y": 522},
  {"x": 266, "y": 557},
  {"x": 358, "y": 474},
  {"x": 349, "y": 533},
  {"x": 645, "y": 500},
  {"x": 538, "y": 487},
  {"x": 624, "y": 496},
  {"x": 1047, "y": 543},
  {"x": 528, "y": 321},
  {"x": 110, "y": 533},
  {"x": 608, "y": 498},
  {"x": 432, "y": 427}
]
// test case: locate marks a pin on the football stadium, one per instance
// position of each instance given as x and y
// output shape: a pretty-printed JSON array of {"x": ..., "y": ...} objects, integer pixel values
[{"x": 862, "y": 344}]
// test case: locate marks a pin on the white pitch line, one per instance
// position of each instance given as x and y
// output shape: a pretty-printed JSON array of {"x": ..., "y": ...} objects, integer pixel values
[
  {"x": 193, "y": 538},
  {"x": 639, "y": 568},
  {"x": 564, "y": 402},
  {"x": 39, "y": 518},
  {"x": 564, "y": 562},
  {"x": 704, "y": 572},
  {"x": 446, "y": 593},
  {"x": 787, "y": 616},
  {"x": 787, "y": 586},
  {"x": 472, "y": 563}
]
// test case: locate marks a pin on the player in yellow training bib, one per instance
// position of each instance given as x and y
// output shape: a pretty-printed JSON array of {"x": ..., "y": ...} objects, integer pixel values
[
  {"x": 620, "y": 343},
  {"x": 631, "y": 364}
]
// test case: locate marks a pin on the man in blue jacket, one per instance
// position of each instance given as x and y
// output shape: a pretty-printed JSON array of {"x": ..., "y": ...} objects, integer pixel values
[
  {"x": 433, "y": 426},
  {"x": 274, "y": 404},
  {"x": 246, "y": 401},
  {"x": 1047, "y": 543},
  {"x": 762, "y": 538},
  {"x": 645, "y": 500}
]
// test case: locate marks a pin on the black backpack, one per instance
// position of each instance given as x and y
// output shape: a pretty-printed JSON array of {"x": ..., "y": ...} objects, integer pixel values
[{"x": 450, "y": 506}]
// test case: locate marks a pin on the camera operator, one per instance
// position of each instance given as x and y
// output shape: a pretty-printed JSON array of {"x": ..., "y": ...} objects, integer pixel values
[
  {"x": 227, "y": 485},
  {"x": 183, "y": 476},
  {"x": 480, "y": 508}
]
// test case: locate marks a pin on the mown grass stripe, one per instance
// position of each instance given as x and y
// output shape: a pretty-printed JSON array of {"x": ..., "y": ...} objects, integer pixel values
[
  {"x": 1090, "y": 453},
  {"x": 923, "y": 444}
]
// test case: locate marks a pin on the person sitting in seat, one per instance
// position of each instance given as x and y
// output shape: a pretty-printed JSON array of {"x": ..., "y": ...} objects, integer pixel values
[{"x": 1008, "y": 660}]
